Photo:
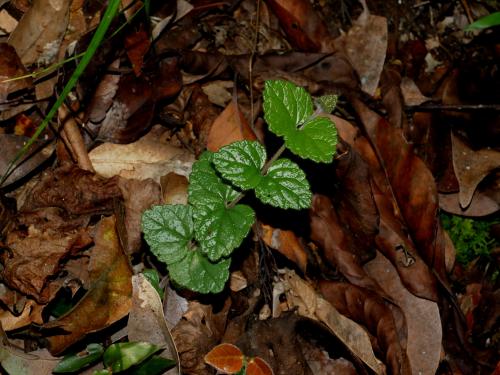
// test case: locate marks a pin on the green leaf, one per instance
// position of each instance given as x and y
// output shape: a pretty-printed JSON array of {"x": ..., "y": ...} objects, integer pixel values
[
  {"x": 241, "y": 163},
  {"x": 285, "y": 186},
  {"x": 206, "y": 189},
  {"x": 285, "y": 106},
  {"x": 123, "y": 355},
  {"x": 288, "y": 111},
  {"x": 490, "y": 20},
  {"x": 154, "y": 279},
  {"x": 155, "y": 365},
  {"x": 315, "y": 140},
  {"x": 168, "y": 230},
  {"x": 101, "y": 372},
  {"x": 75, "y": 362},
  {"x": 327, "y": 102},
  {"x": 222, "y": 229},
  {"x": 197, "y": 273}
]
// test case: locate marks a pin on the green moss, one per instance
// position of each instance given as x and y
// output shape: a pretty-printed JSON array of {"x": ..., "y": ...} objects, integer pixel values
[{"x": 471, "y": 237}]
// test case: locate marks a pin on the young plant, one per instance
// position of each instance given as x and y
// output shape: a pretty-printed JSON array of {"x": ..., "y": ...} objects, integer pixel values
[
  {"x": 197, "y": 239},
  {"x": 229, "y": 359}
]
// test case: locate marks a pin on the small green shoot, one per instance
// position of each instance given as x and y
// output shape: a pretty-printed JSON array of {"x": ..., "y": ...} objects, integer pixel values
[
  {"x": 197, "y": 240},
  {"x": 485, "y": 22}
]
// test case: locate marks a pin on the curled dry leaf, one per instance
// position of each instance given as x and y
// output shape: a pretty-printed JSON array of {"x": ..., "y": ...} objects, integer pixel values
[
  {"x": 287, "y": 243},
  {"x": 32, "y": 313},
  {"x": 36, "y": 256},
  {"x": 370, "y": 310},
  {"x": 174, "y": 188},
  {"x": 471, "y": 167},
  {"x": 11, "y": 67},
  {"x": 110, "y": 278},
  {"x": 311, "y": 305},
  {"x": 146, "y": 321},
  {"x": 422, "y": 318},
  {"x": 146, "y": 158}
]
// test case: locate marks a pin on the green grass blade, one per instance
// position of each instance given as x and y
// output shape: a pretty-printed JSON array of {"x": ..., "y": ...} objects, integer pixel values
[
  {"x": 108, "y": 16},
  {"x": 488, "y": 21}
]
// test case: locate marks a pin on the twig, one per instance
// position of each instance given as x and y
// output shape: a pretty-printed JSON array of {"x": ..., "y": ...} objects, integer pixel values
[
  {"x": 75, "y": 139},
  {"x": 452, "y": 107}
]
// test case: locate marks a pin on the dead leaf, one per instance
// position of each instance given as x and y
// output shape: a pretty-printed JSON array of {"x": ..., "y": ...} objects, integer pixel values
[
  {"x": 174, "y": 188},
  {"x": 287, "y": 243},
  {"x": 320, "y": 362},
  {"x": 11, "y": 67},
  {"x": 109, "y": 297},
  {"x": 366, "y": 44},
  {"x": 311, "y": 305},
  {"x": 32, "y": 313},
  {"x": 75, "y": 190},
  {"x": 422, "y": 318},
  {"x": 230, "y": 126},
  {"x": 146, "y": 158},
  {"x": 102, "y": 98},
  {"x": 480, "y": 205},
  {"x": 16, "y": 361},
  {"x": 411, "y": 93},
  {"x": 146, "y": 321},
  {"x": 37, "y": 256},
  {"x": 305, "y": 30},
  {"x": 10, "y": 145},
  {"x": 471, "y": 167},
  {"x": 225, "y": 357},
  {"x": 137, "y": 45},
  {"x": 38, "y": 35},
  {"x": 138, "y": 196},
  {"x": 370, "y": 310},
  {"x": 327, "y": 231}
]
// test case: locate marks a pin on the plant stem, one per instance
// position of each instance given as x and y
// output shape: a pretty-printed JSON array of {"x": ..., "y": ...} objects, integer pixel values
[{"x": 264, "y": 170}]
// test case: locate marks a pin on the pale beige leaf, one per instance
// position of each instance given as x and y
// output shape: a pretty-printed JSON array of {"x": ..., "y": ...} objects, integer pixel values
[{"x": 421, "y": 315}]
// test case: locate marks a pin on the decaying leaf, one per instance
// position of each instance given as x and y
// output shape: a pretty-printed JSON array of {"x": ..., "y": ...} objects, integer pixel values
[
  {"x": 471, "y": 167},
  {"x": 174, "y": 188},
  {"x": 311, "y": 305},
  {"x": 35, "y": 257},
  {"x": 371, "y": 311},
  {"x": 109, "y": 296},
  {"x": 11, "y": 67},
  {"x": 146, "y": 321},
  {"x": 75, "y": 190},
  {"x": 422, "y": 318}
]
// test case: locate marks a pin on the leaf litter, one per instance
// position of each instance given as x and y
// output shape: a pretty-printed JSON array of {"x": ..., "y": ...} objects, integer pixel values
[{"x": 417, "y": 122}]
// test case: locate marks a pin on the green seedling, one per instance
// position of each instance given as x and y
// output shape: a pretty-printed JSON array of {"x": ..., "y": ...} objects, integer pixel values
[
  {"x": 485, "y": 22},
  {"x": 196, "y": 240}
]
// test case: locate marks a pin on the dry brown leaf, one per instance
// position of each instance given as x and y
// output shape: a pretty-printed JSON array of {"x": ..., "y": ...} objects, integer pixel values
[
  {"x": 146, "y": 158},
  {"x": 230, "y": 126},
  {"x": 422, "y": 318},
  {"x": 411, "y": 92},
  {"x": 311, "y": 305},
  {"x": 36, "y": 256},
  {"x": 109, "y": 297},
  {"x": 138, "y": 196},
  {"x": 75, "y": 190},
  {"x": 366, "y": 44},
  {"x": 32, "y": 313},
  {"x": 370, "y": 310},
  {"x": 11, "y": 67},
  {"x": 103, "y": 97},
  {"x": 471, "y": 167},
  {"x": 38, "y": 35},
  {"x": 146, "y": 321},
  {"x": 480, "y": 205},
  {"x": 287, "y": 243},
  {"x": 16, "y": 361}
]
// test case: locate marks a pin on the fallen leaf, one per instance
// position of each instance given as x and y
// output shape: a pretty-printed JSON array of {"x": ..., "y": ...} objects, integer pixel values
[
  {"x": 146, "y": 158},
  {"x": 11, "y": 67},
  {"x": 36, "y": 155},
  {"x": 480, "y": 205},
  {"x": 16, "y": 361},
  {"x": 257, "y": 366},
  {"x": 146, "y": 322},
  {"x": 102, "y": 98},
  {"x": 422, "y": 318},
  {"x": 471, "y": 167},
  {"x": 411, "y": 93},
  {"x": 225, "y": 357},
  {"x": 137, "y": 45},
  {"x": 109, "y": 296},
  {"x": 287, "y": 243},
  {"x": 370, "y": 310},
  {"x": 311, "y": 305},
  {"x": 32, "y": 313},
  {"x": 174, "y": 188},
  {"x": 230, "y": 126},
  {"x": 365, "y": 44},
  {"x": 36, "y": 257},
  {"x": 39, "y": 33},
  {"x": 75, "y": 190}
]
